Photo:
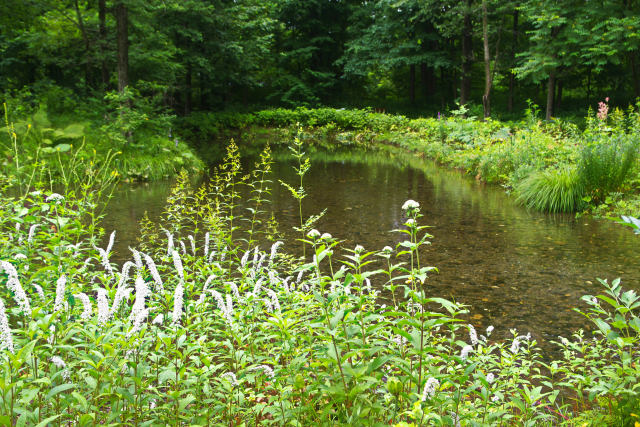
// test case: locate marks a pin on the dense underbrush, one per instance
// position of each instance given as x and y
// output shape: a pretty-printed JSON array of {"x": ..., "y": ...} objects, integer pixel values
[
  {"x": 553, "y": 166},
  {"x": 202, "y": 327},
  {"x": 127, "y": 132}
]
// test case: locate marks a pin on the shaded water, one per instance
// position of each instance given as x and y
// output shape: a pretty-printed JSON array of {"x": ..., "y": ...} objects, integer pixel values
[{"x": 513, "y": 267}]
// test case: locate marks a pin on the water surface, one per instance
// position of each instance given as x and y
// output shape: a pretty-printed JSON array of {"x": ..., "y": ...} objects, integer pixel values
[{"x": 515, "y": 268}]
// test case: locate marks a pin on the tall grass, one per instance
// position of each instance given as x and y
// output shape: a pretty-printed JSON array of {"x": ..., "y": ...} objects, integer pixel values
[
  {"x": 605, "y": 164},
  {"x": 552, "y": 190}
]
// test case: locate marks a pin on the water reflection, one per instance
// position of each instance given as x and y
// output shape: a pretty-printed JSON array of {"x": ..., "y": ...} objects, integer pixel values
[{"x": 513, "y": 267}]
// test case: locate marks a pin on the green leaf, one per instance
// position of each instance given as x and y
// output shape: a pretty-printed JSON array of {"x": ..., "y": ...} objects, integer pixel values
[{"x": 59, "y": 389}]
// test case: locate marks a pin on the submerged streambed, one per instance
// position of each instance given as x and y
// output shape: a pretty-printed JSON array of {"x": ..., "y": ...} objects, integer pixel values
[{"x": 515, "y": 268}]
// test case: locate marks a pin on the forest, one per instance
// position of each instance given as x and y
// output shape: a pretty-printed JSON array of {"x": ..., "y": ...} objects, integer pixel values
[
  {"x": 319, "y": 212},
  {"x": 406, "y": 56}
]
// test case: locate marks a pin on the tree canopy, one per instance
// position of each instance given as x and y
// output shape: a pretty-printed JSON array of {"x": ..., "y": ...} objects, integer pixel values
[{"x": 421, "y": 55}]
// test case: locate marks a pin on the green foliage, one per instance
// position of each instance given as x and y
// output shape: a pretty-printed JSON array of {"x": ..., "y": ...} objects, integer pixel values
[
  {"x": 605, "y": 163},
  {"x": 552, "y": 190}
]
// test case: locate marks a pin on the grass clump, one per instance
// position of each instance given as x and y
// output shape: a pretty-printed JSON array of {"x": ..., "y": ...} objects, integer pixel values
[{"x": 552, "y": 190}]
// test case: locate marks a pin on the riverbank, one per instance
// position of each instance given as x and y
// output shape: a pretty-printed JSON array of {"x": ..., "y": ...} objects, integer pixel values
[{"x": 550, "y": 166}]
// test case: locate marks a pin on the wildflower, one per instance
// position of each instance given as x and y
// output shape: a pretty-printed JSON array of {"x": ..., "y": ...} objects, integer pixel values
[
  {"x": 603, "y": 110},
  {"x": 137, "y": 258},
  {"x": 54, "y": 197},
  {"x": 20, "y": 256},
  {"x": 465, "y": 351},
  {"x": 177, "y": 303},
  {"x": 229, "y": 309},
  {"x": 285, "y": 284},
  {"x": 410, "y": 205},
  {"x": 32, "y": 231},
  {"x": 367, "y": 285},
  {"x": 104, "y": 259},
  {"x": 52, "y": 335},
  {"x": 19, "y": 295},
  {"x": 60, "y": 288},
  {"x": 103, "y": 307},
  {"x": 6, "y": 339},
  {"x": 489, "y": 330},
  {"x": 169, "y": 241},
  {"x": 257, "y": 287},
  {"x": 326, "y": 236},
  {"x": 124, "y": 274},
  {"x": 86, "y": 304},
  {"x": 274, "y": 299},
  {"x": 268, "y": 371},
  {"x": 112, "y": 238},
  {"x": 219, "y": 301},
  {"x": 39, "y": 290},
  {"x": 515, "y": 345},
  {"x": 473, "y": 336},
  {"x": 154, "y": 272},
  {"x": 234, "y": 289},
  {"x": 184, "y": 248},
  {"x": 193, "y": 243},
  {"x": 142, "y": 292},
  {"x": 231, "y": 376},
  {"x": 267, "y": 303},
  {"x": 141, "y": 316},
  {"x": 56, "y": 360},
  {"x": 260, "y": 261},
  {"x": 244, "y": 259},
  {"x": 121, "y": 293},
  {"x": 158, "y": 319},
  {"x": 206, "y": 244},
  {"x": 490, "y": 378},
  {"x": 430, "y": 388},
  {"x": 152, "y": 404},
  {"x": 313, "y": 234},
  {"x": 358, "y": 249},
  {"x": 255, "y": 257},
  {"x": 177, "y": 262},
  {"x": 410, "y": 223},
  {"x": 563, "y": 340},
  {"x": 299, "y": 278}
]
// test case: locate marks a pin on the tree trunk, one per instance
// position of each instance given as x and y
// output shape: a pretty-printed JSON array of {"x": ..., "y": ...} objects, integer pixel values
[
  {"x": 102, "y": 31},
  {"x": 188, "y": 91},
  {"x": 486, "y": 96},
  {"x": 87, "y": 50},
  {"x": 512, "y": 76},
  {"x": 551, "y": 88},
  {"x": 558, "y": 99},
  {"x": 412, "y": 83},
  {"x": 122, "y": 27},
  {"x": 467, "y": 55}
]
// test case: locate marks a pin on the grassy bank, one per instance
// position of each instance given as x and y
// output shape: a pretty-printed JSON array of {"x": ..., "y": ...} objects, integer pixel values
[
  {"x": 201, "y": 327},
  {"x": 551, "y": 166}
]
